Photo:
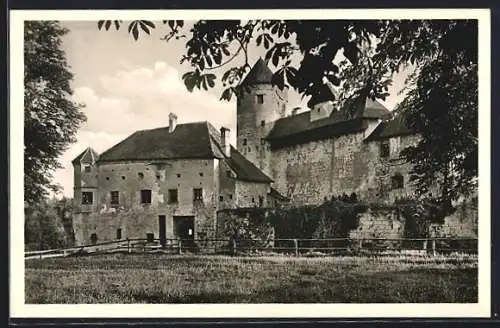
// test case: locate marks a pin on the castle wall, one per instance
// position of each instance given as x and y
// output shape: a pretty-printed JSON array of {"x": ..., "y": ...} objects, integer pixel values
[
  {"x": 250, "y": 194},
  {"x": 307, "y": 173}
]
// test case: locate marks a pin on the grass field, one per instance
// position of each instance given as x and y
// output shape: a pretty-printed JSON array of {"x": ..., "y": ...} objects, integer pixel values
[{"x": 156, "y": 278}]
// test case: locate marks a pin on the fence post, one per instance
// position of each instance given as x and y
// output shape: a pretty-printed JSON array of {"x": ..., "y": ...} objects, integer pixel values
[
  {"x": 296, "y": 246},
  {"x": 360, "y": 244},
  {"x": 434, "y": 247},
  {"x": 425, "y": 245},
  {"x": 128, "y": 246},
  {"x": 233, "y": 244},
  {"x": 180, "y": 247}
]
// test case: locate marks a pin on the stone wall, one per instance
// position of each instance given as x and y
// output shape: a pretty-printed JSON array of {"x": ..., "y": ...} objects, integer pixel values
[
  {"x": 136, "y": 220},
  {"x": 307, "y": 173},
  {"x": 251, "y": 194}
]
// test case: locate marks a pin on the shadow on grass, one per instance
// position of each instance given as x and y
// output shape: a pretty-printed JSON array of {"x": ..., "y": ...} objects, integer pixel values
[{"x": 416, "y": 286}]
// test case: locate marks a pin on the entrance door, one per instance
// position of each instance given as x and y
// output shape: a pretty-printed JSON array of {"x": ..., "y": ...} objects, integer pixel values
[
  {"x": 184, "y": 230},
  {"x": 162, "y": 229}
]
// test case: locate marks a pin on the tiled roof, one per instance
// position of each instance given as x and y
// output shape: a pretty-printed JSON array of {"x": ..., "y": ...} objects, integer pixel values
[
  {"x": 246, "y": 170},
  {"x": 395, "y": 126},
  {"x": 259, "y": 73},
  {"x": 89, "y": 156},
  {"x": 344, "y": 121},
  {"x": 190, "y": 140}
]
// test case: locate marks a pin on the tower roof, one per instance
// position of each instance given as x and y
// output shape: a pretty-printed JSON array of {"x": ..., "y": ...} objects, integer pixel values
[
  {"x": 259, "y": 73},
  {"x": 88, "y": 156}
]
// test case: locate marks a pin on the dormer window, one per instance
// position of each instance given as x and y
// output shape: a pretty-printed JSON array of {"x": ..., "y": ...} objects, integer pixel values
[{"x": 87, "y": 168}]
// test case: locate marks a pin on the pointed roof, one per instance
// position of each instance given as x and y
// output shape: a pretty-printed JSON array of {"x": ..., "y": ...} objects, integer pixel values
[
  {"x": 88, "y": 156},
  {"x": 259, "y": 73},
  {"x": 392, "y": 127}
]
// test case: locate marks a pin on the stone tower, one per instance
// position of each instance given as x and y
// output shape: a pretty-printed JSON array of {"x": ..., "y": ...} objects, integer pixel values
[
  {"x": 85, "y": 178},
  {"x": 260, "y": 104}
]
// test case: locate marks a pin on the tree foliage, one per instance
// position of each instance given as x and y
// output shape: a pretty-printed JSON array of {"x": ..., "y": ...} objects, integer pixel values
[
  {"x": 51, "y": 118},
  {"x": 43, "y": 227},
  {"x": 441, "y": 102}
]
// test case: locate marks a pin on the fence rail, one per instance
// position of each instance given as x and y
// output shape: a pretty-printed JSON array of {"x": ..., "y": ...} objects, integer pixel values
[{"x": 297, "y": 246}]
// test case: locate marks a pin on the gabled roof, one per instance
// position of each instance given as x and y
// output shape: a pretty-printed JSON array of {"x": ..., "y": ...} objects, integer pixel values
[
  {"x": 393, "y": 127},
  {"x": 88, "y": 156},
  {"x": 259, "y": 73},
  {"x": 190, "y": 140},
  {"x": 347, "y": 120}
]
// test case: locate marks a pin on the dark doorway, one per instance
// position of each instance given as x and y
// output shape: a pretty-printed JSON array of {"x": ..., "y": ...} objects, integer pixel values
[
  {"x": 184, "y": 230},
  {"x": 162, "y": 229}
]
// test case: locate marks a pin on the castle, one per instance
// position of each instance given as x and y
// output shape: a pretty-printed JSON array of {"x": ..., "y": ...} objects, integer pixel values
[{"x": 171, "y": 182}]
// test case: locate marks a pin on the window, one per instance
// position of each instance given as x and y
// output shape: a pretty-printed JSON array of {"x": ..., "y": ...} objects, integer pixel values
[
  {"x": 261, "y": 201},
  {"x": 397, "y": 181},
  {"x": 150, "y": 237},
  {"x": 178, "y": 175},
  {"x": 87, "y": 197},
  {"x": 253, "y": 200},
  {"x": 228, "y": 173},
  {"x": 244, "y": 142},
  {"x": 201, "y": 174},
  {"x": 221, "y": 198},
  {"x": 115, "y": 198},
  {"x": 173, "y": 196},
  {"x": 262, "y": 141},
  {"x": 93, "y": 238},
  {"x": 384, "y": 149},
  {"x": 158, "y": 177},
  {"x": 141, "y": 175},
  {"x": 260, "y": 99},
  {"x": 230, "y": 196},
  {"x": 118, "y": 233},
  {"x": 197, "y": 194},
  {"x": 107, "y": 178},
  {"x": 123, "y": 177},
  {"x": 87, "y": 168},
  {"x": 146, "y": 196},
  {"x": 262, "y": 123}
]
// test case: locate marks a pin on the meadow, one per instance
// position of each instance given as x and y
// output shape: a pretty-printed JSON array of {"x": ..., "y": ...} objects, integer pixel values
[{"x": 161, "y": 278}]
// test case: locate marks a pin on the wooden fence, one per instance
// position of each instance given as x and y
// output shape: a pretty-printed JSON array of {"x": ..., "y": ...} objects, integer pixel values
[{"x": 297, "y": 247}]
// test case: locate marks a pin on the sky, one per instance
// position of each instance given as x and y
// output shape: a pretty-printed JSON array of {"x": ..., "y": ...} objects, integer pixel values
[{"x": 129, "y": 85}]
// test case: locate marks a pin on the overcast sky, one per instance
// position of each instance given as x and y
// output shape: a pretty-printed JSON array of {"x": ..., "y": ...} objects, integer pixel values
[{"x": 130, "y": 85}]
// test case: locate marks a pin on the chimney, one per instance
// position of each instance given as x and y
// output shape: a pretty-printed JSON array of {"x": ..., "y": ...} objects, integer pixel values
[
  {"x": 224, "y": 136},
  {"x": 172, "y": 122}
]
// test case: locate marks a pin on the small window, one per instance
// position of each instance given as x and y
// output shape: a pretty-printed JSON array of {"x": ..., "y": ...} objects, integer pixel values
[
  {"x": 257, "y": 148},
  {"x": 384, "y": 149},
  {"x": 173, "y": 196},
  {"x": 93, "y": 238},
  {"x": 244, "y": 142},
  {"x": 87, "y": 168},
  {"x": 87, "y": 197},
  {"x": 118, "y": 234},
  {"x": 221, "y": 198},
  {"x": 115, "y": 198},
  {"x": 158, "y": 177},
  {"x": 123, "y": 177},
  {"x": 150, "y": 237},
  {"x": 107, "y": 178},
  {"x": 262, "y": 123},
  {"x": 231, "y": 196},
  {"x": 141, "y": 175},
  {"x": 146, "y": 196},
  {"x": 261, "y": 201},
  {"x": 262, "y": 141},
  {"x": 201, "y": 174},
  {"x": 228, "y": 173},
  {"x": 260, "y": 99},
  {"x": 397, "y": 181},
  {"x": 249, "y": 149},
  {"x": 197, "y": 194},
  {"x": 178, "y": 175},
  {"x": 253, "y": 200}
]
